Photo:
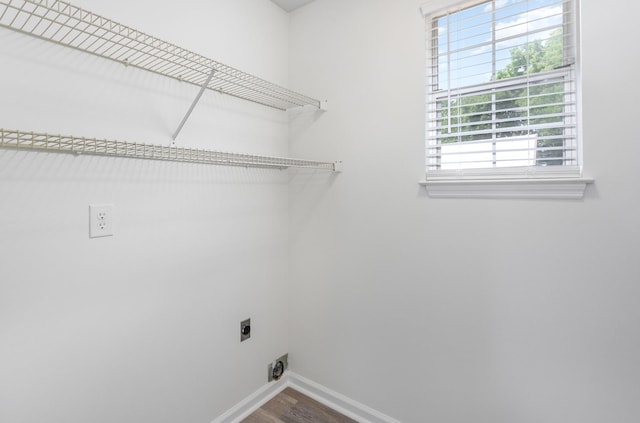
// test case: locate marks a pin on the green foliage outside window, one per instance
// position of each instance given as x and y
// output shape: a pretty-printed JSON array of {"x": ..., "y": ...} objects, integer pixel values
[{"x": 523, "y": 109}]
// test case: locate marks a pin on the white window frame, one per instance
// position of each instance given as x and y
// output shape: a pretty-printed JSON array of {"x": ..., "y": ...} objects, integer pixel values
[{"x": 561, "y": 182}]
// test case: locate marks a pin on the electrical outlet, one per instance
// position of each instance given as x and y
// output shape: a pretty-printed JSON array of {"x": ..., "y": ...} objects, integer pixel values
[
  {"x": 100, "y": 220},
  {"x": 245, "y": 330},
  {"x": 277, "y": 368}
]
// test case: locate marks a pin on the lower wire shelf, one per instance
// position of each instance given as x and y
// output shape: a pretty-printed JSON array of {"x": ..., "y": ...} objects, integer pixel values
[{"x": 102, "y": 147}]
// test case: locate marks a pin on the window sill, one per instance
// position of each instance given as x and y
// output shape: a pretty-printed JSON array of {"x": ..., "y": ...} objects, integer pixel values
[{"x": 558, "y": 188}]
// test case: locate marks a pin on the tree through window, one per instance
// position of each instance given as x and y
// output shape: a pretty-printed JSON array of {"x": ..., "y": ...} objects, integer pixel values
[{"x": 501, "y": 90}]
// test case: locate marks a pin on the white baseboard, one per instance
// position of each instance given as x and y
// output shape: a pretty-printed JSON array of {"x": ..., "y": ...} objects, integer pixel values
[
  {"x": 337, "y": 401},
  {"x": 350, "y": 408},
  {"x": 244, "y": 408}
]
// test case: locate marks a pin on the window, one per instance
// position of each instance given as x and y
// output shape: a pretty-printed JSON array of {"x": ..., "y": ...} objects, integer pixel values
[{"x": 502, "y": 100}]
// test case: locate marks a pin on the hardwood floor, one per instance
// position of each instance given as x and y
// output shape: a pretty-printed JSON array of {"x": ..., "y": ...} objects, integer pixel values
[{"x": 290, "y": 406}]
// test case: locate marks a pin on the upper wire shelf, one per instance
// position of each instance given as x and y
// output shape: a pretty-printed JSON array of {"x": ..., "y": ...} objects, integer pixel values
[
  {"x": 71, "y": 26},
  {"x": 102, "y": 147}
]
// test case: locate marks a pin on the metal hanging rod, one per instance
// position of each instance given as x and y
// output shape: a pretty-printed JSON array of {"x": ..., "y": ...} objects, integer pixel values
[
  {"x": 93, "y": 146},
  {"x": 71, "y": 26}
]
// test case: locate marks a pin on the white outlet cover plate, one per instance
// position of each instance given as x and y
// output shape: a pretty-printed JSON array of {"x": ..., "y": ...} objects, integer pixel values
[{"x": 100, "y": 220}]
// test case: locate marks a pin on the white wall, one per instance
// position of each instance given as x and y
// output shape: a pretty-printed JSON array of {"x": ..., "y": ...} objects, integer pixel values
[
  {"x": 142, "y": 326},
  {"x": 396, "y": 300},
  {"x": 459, "y": 310}
]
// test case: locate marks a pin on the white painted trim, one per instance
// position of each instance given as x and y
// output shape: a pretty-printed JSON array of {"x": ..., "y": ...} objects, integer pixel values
[
  {"x": 560, "y": 188},
  {"x": 244, "y": 408},
  {"x": 443, "y": 6},
  {"x": 338, "y": 402}
]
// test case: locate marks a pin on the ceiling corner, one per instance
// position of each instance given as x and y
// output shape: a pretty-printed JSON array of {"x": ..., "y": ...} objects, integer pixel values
[{"x": 291, "y": 5}]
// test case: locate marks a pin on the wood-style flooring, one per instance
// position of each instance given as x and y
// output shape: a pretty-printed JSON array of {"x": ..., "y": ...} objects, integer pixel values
[{"x": 290, "y": 406}]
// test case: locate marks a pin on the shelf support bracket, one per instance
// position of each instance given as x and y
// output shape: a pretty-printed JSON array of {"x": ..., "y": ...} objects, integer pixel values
[{"x": 193, "y": 105}]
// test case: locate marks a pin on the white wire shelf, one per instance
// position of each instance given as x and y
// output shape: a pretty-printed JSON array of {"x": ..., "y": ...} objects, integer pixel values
[
  {"x": 80, "y": 145},
  {"x": 71, "y": 26}
]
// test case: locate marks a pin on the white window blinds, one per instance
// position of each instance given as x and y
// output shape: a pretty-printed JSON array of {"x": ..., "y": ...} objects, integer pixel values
[{"x": 501, "y": 95}]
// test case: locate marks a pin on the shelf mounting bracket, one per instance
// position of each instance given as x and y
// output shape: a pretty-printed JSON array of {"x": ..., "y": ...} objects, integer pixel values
[{"x": 193, "y": 105}]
